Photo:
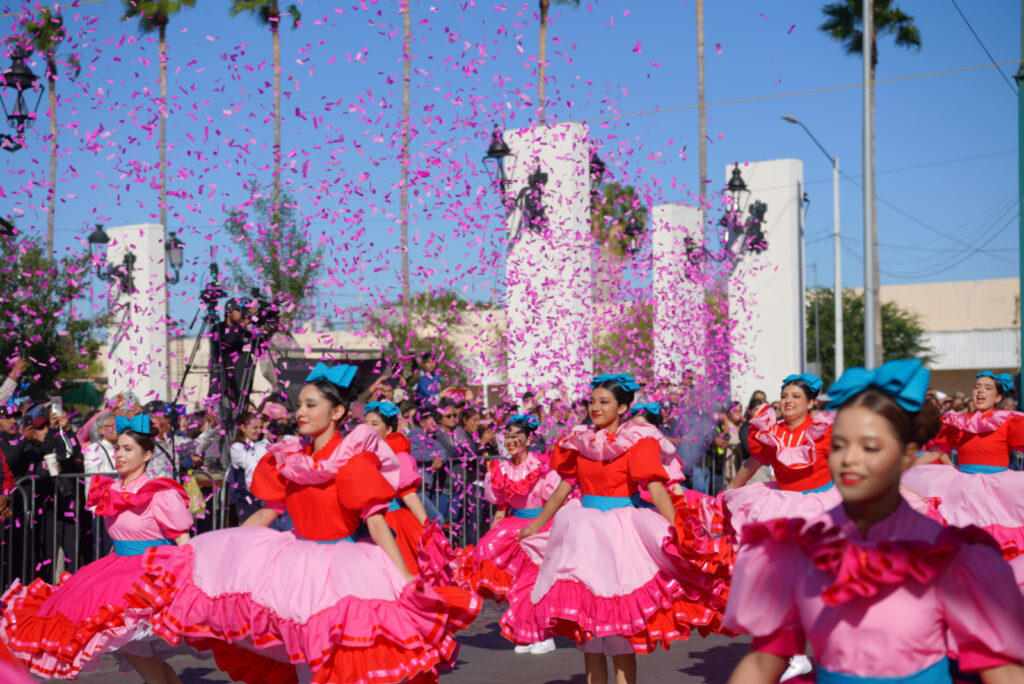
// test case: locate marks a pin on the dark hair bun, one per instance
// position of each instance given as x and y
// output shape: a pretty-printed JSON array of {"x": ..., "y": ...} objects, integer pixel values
[
  {"x": 622, "y": 396},
  {"x": 808, "y": 392},
  {"x": 927, "y": 423}
]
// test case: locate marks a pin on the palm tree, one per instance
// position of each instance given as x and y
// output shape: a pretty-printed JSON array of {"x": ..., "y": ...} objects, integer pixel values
[
  {"x": 269, "y": 13},
  {"x": 154, "y": 15},
  {"x": 844, "y": 24},
  {"x": 542, "y": 52},
  {"x": 618, "y": 221},
  {"x": 44, "y": 35}
]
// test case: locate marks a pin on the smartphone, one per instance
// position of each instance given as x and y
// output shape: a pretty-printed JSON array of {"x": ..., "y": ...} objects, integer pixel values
[{"x": 57, "y": 406}]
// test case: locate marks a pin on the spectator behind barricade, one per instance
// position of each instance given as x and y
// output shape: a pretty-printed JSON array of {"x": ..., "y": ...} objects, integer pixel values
[
  {"x": 8, "y": 422},
  {"x": 757, "y": 399},
  {"x": 452, "y": 473},
  {"x": 98, "y": 456},
  {"x": 249, "y": 446},
  {"x": 728, "y": 440},
  {"x": 428, "y": 387},
  {"x": 384, "y": 389},
  {"x": 960, "y": 402},
  {"x": 427, "y": 453}
]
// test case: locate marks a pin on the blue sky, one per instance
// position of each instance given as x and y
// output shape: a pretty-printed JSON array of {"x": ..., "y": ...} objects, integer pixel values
[{"x": 945, "y": 157}]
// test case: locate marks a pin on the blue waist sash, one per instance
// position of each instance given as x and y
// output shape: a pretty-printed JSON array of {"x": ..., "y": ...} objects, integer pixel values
[
  {"x": 394, "y": 505},
  {"x": 124, "y": 547},
  {"x": 526, "y": 513},
  {"x": 350, "y": 538},
  {"x": 610, "y": 503},
  {"x": 979, "y": 469},
  {"x": 823, "y": 488},
  {"x": 933, "y": 674}
]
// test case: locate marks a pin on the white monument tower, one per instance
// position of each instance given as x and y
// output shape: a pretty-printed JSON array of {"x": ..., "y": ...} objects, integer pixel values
[
  {"x": 680, "y": 333},
  {"x": 549, "y": 289},
  {"x": 766, "y": 292},
  {"x": 138, "y": 327}
]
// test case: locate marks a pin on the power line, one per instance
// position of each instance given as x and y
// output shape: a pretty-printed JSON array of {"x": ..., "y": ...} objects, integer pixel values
[
  {"x": 982, "y": 44},
  {"x": 611, "y": 117}
]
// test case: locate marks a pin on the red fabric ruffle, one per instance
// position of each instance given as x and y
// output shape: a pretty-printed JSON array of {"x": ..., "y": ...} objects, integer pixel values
[
  {"x": 499, "y": 561},
  {"x": 861, "y": 571},
  {"x": 505, "y": 488},
  {"x": 107, "y": 500}
]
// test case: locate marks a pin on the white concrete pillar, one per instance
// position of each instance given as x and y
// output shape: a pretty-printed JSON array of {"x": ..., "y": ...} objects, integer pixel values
[
  {"x": 680, "y": 310},
  {"x": 138, "y": 326},
  {"x": 766, "y": 293},
  {"x": 549, "y": 289}
]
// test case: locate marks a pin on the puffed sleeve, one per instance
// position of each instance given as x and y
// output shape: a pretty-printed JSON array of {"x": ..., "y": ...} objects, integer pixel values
[
  {"x": 947, "y": 439},
  {"x": 409, "y": 478},
  {"x": 643, "y": 462},
  {"x": 361, "y": 487},
  {"x": 169, "y": 508},
  {"x": 563, "y": 461},
  {"x": 983, "y": 608},
  {"x": 490, "y": 495},
  {"x": 761, "y": 600},
  {"x": 1015, "y": 433},
  {"x": 547, "y": 485},
  {"x": 268, "y": 484}
]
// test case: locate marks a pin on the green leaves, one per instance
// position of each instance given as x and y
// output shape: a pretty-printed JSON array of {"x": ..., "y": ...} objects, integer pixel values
[{"x": 154, "y": 15}]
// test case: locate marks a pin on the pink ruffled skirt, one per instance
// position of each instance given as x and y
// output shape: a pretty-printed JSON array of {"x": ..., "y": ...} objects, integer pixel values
[
  {"x": 764, "y": 501},
  {"x": 344, "y": 608},
  {"x": 60, "y": 631},
  {"x": 992, "y": 501},
  {"x": 615, "y": 573}
]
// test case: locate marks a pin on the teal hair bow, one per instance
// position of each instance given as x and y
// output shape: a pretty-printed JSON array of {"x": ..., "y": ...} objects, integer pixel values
[
  {"x": 139, "y": 423},
  {"x": 813, "y": 382},
  {"x": 532, "y": 422},
  {"x": 384, "y": 408},
  {"x": 336, "y": 375},
  {"x": 652, "y": 407},
  {"x": 905, "y": 381},
  {"x": 1004, "y": 380},
  {"x": 625, "y": 381}
]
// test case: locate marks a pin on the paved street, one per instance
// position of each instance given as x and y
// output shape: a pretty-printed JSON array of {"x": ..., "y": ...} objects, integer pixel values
[{"x": 487, "y": 657}]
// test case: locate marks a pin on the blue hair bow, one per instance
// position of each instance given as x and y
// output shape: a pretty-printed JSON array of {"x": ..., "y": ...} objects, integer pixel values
[
  {"x": 813, "y": 382},
  {"x": 652, "y": 407},
  {"x": 625, "y": 381},
  {"x": 1004, "y": 380},
  {"x": 384, "y": 408},
  {"x": 905, "y": 381},
  {"x": 139, "y": 423},
  {"x": 336, "y": 375},
  {"x": 532, "y": 422}
]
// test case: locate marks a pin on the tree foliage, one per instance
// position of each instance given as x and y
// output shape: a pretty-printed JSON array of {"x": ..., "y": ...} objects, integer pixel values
[
  {"x": 44, "y": 318},
  {"x": 618, "y": 219},
  {"x": 423, "y": 323},
  {"x": 844, "y": 24},
  {"x": 279, "y": 253},
  {"x": 154, "y": 15},
  {"x": 902, "y": 332}
]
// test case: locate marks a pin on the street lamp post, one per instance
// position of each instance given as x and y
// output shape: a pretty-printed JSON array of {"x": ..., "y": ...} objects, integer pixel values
[
  {"x": 20, "y": 79},
  {"x": 836, "y": 247}
]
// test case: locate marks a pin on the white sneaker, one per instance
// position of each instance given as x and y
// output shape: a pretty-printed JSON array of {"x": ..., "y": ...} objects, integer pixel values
[
  {"x": 798, "y": 665},
  {"x": 522, "y": 649},
  {"x": 542, "y": 647}
]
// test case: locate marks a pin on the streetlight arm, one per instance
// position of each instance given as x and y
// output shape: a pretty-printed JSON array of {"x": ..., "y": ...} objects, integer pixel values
[{"x": 808, "y": 132}]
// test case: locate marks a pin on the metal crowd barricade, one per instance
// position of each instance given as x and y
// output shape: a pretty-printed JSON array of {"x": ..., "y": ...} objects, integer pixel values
[
  {"x": 473, "y": 512},
  {"x": 27, "y": 551}
]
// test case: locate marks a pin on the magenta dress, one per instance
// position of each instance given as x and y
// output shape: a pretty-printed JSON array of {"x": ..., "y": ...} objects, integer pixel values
[
  {"x": 323, "y": 594},
  {"x": 60, "y": 631},
  {"x": 502, "y": 566},
  {"x": 891, "y": 605}
]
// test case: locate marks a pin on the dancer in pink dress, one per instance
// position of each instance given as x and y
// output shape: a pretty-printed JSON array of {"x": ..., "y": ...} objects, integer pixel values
[
  {"x": 59, "y": 631},
  {"x": 333, "y": 596},
  {"x": 796, "y": 446},
  {"x": 417, "y": 538},
  {"x": 504, "y": 567},
  {"x": 613, "y": 577},
  {"x": 881, "y": 592},
  {"x": 980, "y": 490}
]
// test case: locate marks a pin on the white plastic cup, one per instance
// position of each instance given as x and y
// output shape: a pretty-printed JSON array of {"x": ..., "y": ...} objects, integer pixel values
[{"x": 51, "y": 464}]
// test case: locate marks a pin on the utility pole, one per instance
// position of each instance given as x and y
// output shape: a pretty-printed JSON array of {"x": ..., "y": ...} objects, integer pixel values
[
  {"x": 1020, "y": 171},
  {"x": 403, "y": 198},
  {"x": 870, "y": 286},
  {"x": 701, "y": 109}
]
